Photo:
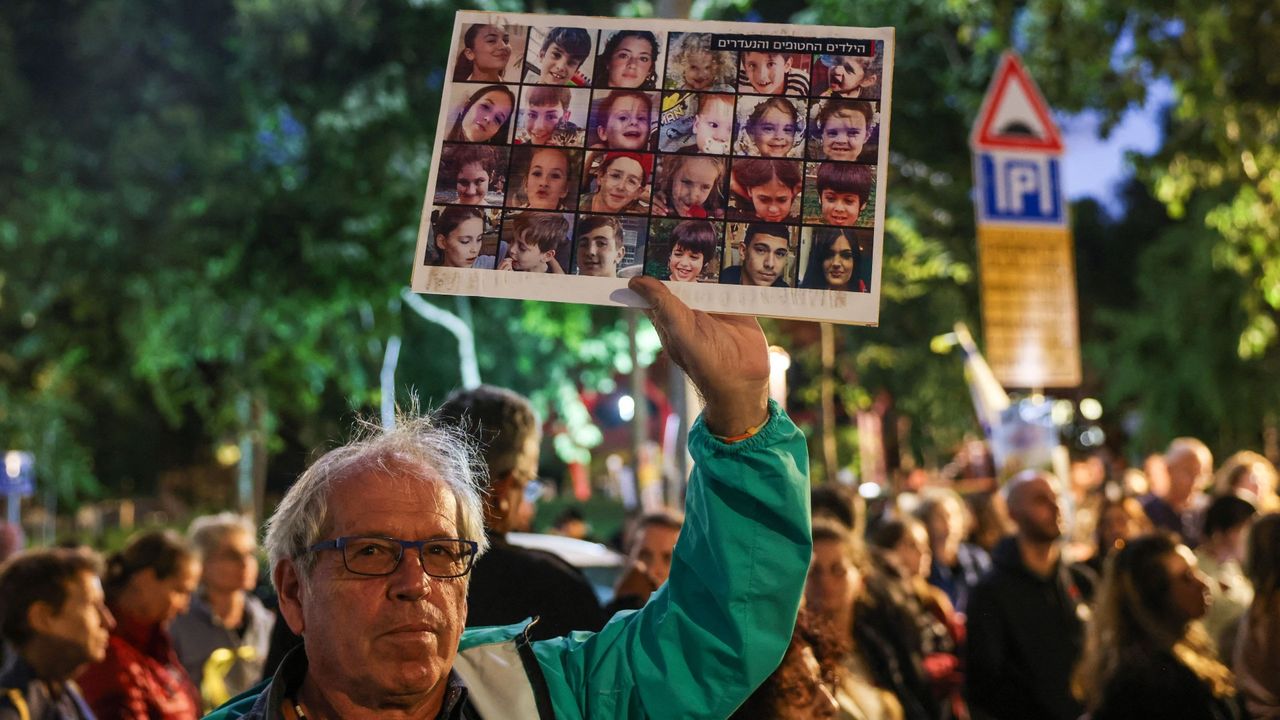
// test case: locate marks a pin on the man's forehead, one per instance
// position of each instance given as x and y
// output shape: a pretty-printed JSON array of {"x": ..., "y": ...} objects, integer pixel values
[
  {"x": 773, "y": 241},
  {"x": 394, "y": 497}
]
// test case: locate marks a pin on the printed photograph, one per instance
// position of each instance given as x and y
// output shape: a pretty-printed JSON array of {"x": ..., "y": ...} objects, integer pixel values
[
  {"x": 472, "y": 174},
  {"x": 623, "y": 120},
  {"x": 770, "y": 126},
  {"x": 628, "y": 59},
  {"x": 535, "y": 242},
  {"x": 766, "y": 73},
  {"x": 765, "y": 189},
  {"x": 684, "y": 250},
  {"x": 836, "y": 259},
  {"x": 849, "y": 76},
  {"x": 490, "y": 53},
  {"x": 837, "y": 193},
  {"x": 544, "y": 178},
  {"x": 462, "y": 237},
  {"x": 559, "y": 56},
  {"x": 617, "y": 183},
  {"x": 699, "y": 123},
  {"x": 760, "y": 254},
  {"x": 553, "y": 116},
  {"x": 690, "y": 186},
  {"x": 481, "y": 113},
  {"x": 843, "y": 130},
  {"x": 693, "y": 66},
  {"x": 609, "y": 245}
]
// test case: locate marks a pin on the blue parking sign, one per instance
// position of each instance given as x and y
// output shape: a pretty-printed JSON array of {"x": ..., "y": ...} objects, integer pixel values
[
  {"x": 18, "y": 475},
  {"x": 1020, "y": 187}
]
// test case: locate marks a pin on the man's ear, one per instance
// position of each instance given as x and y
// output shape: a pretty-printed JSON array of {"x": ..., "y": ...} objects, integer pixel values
[
  {"x": 292, "y": 593},
  {"x": 40, "y": 615}
]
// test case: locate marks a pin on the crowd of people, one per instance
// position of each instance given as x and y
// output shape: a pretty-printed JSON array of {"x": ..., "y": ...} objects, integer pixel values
[{"x": 1157, "y": 595}]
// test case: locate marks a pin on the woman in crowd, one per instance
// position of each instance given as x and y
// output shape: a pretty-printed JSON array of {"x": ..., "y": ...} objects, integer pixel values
[
  {"x": 1118, "y": 520},
  {"x": 147, "y": 584},
  {"x": 1146, "y": 655},
  {"x": 878, "y": 680},
  {"x": 222, "y": 640},
  {"x": 801, "y": 687},
  {"x": 628, "y": 60},
  {"x": 1256, "y": 655},
  {"x": 1250, "y": 476},
  {"x": 834, "y": 263},
  {"x": 485, "y": 117}
]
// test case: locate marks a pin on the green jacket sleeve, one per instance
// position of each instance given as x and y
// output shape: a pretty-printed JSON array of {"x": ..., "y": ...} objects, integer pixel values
[{"x": 723, "y": 620}]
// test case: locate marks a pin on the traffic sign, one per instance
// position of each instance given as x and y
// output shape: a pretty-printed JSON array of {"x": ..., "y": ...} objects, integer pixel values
[
  {"x": 1019, "y": 188},
  {"x": 18, "y": 476},
  {"x": 1014, "y": 115}
]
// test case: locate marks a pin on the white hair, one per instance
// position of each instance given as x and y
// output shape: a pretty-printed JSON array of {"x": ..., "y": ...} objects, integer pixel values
[
  {"x": 207, "y": 532},
  {"x": 417, "y": 450}
]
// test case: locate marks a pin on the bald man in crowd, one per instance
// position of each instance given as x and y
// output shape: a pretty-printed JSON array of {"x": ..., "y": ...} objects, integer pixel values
[
  {"x": 1026, "y": 617},
  {"x": 1181, "y": 509}
]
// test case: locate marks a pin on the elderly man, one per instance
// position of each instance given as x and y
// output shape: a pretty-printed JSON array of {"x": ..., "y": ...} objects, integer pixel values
[
  {"x": 1026, "y": 617},
  {"x": 53, "y": 612},
  {"x": 370, "y": 551},
  {"x": 1181, "y": 510}
]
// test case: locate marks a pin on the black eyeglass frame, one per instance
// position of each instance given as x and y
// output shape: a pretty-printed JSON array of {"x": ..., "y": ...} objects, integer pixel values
[{"x": 341, "y": 543}]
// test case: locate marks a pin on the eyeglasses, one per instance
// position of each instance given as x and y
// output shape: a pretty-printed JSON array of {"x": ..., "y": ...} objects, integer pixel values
[{"x": 376, "y": 555}]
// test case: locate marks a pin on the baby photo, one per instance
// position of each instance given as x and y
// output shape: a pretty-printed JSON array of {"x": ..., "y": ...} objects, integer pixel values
[
  {"x": 709, "y": 126},
  {"x": 838, "y": 193},
  {"x": 849, "y": 76},
  {"x": 544, "y": 178},
  {"x": 472, "y": 174},
  {"x": 481, "y": 113},
  {"x": 557, "y": 55},
  {"x": 690, "y": 186},
  {"x": 460, "y": 237},
  {"x": 491, "y": 53},
  {"x": 765, "y": 73},
  {"x": 765, "y": 189},
  {"x": 770, "y": 126},
  {"x": 622, "y": 120},
  {"x": 684, "y": 250},
  {"x": 536, "y": 242},
  {"x": 628, "y": 59},
  {"x": 843, "y": 130},
  {"x": 552, "y": 116},
  {"x": 693, "y": 66}
]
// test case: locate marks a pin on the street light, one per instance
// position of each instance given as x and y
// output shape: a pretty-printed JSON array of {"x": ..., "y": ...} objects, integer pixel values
[{"x": 779, "y": 362}]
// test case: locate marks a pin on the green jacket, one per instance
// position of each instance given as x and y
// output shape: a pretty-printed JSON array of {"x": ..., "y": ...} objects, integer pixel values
[{"x": 704, "y": 641}]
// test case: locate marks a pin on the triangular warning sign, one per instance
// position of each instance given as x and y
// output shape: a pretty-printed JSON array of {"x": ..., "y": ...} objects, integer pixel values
[{"x": 1014, "y": 115}]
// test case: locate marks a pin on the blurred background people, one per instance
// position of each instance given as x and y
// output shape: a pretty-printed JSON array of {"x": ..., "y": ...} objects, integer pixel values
[
  {"x": 801, "y": 688},
  {"x": 223, "y": 637},
  {"x": 1119, "y": 519},
  {"x": 1146, "y": 655},
  {"x": 1255, "y": 652},
  {"x": 147, "y": 584},
  {"x": 649, "y": 551},
  {"x": 1251, "y": 477},
  {"x": 957, "y": 565},
  {"x": 1190, "y": 466},
  {"x": 1219, "y": 558},
  {"x": 54, "y": 615}
]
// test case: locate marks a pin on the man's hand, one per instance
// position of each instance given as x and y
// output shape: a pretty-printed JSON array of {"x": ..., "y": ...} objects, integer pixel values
[{"x": 726, "y": 356}]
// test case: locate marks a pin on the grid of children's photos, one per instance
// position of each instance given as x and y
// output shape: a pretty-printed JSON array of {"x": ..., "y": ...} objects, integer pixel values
[{"x": 618, "y": 152}]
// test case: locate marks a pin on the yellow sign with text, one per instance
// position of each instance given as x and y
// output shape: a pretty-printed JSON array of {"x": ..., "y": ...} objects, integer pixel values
[{"x": 1029, "y": 305}]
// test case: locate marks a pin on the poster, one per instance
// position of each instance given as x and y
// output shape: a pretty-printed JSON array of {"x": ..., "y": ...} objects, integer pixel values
[{"x": 743, "y": 163}]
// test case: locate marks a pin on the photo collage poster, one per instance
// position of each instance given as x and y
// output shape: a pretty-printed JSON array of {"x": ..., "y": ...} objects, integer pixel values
[{"x": 743, "y": 163}]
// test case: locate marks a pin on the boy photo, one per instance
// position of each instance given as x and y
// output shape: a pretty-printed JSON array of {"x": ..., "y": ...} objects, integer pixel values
[
  {"x": 535, "y": 241},
  {"x": 766, "y": 73},
  {"x": 839, "y": 194},
  {"x": 759, "y": 254},
  {"x": 849, "y": 76},
  {"x": 547, "y": 116},
  {"x": 684, "y": 250},
  {"x": 843, "y": 130},
  {"x": 609, "y": 246},
  {"x": 556, "y": 56}
]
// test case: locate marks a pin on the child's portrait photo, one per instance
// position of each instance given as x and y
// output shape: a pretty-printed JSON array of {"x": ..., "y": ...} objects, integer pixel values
[
  {"x": 760, "y": 254},
  {"x": 770, "y": 126},
  {"x": 481, "y": 114},
  {"x": 849, "y": 76},
  {"x": 766, "y": 73},
  {"x": 836, "y": 259},
  {"x": 709, "y": 130},
  {"x": 609, "y": 246},
  {"x": 459, "y": 235},
  {"x": 622, "y": 120},
  {"x": 617, "y": 182},
  {"x": 472, "y": 174},
  {"x": 628, "y": 59},
  {"x": 693, "y": 66},
  {"x": 765, "y": 189},
  {"x": 553, "y": 116},
  {"x": 544, "y": 178},
  {"x": 536, "y": 242},
  {"x": 843, "y": 130},
  {"x": 491, "y": 53},
  {"x": 557, "y": 55},
  {"x": 837, "y": 193},
  {"x": 690, "y": 186},
  {"x": 684, "y": 250}
]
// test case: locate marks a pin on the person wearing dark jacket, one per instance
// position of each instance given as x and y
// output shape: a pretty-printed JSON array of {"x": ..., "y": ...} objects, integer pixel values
[
  {"x": 510, "y": 583},
  {"x": 1026, "y": 617}
]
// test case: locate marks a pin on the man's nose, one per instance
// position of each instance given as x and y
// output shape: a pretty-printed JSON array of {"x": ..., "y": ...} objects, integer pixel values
[
  {"x": 410, "y": 581},
  {"x": 108, "y": 620}
]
